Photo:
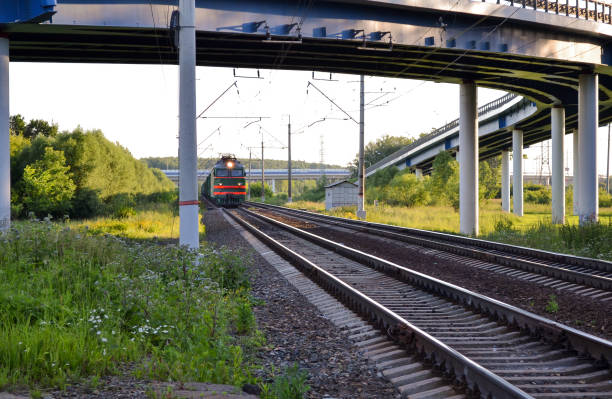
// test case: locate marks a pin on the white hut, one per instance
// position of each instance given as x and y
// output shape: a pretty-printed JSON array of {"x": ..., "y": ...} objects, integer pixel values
[{"x": 342, "y": 193}]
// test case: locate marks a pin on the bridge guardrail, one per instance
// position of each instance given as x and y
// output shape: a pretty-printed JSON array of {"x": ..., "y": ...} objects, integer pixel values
[
  {"x": 493, "y": 105},
  {"x": 598, "y": 11}
]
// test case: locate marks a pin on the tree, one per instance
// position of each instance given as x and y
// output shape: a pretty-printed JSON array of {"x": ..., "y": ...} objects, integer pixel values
[
  {"x": 17, "y": 125},
  {"x": 47, "y": 186},
  {"x": 376, "y": 151},
  {"x": 39, "y": 127},
  {"x": 444, "y": 182}
]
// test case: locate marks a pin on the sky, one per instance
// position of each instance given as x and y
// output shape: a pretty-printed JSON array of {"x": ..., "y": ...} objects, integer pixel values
[{"x": 137, "y": 106}]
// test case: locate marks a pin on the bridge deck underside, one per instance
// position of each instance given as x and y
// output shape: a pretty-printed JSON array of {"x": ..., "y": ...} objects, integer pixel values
[{"x": 544, "y": 81}]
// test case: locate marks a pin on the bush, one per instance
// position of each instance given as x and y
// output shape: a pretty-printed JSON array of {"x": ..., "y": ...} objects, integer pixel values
[
  {"x": 537, "y": 194},
  {"x": 86, "y": 204},
  {"x": 256, "y": 190},
  {"x": 47, "y": 186},
  {"x": 605, "y": 199}
]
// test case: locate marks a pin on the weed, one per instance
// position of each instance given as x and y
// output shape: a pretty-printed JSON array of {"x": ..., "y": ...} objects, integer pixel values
[
  {"x": 75, "y": 305},
  {"x": 290, "y": 385},
  {"x": 552, "y": 306}
]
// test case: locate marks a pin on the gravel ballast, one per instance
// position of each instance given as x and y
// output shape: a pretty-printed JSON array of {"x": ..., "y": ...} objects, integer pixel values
[{"x": 296, "y": 332}]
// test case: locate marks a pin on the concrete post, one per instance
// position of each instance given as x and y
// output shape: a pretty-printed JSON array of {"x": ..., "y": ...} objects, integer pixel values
[
  {"x": 468, "y": 159},
  {"x": 588, "y": 119},
  {"x": 418, "y": 172},
  {"x": 505, "y": 181},
  {"x": 289, "y": 199},
  {"x": 361, "y": 212},
  {"x": 576, "y": 166},
  {"x": 188, "y": 157},
  {"x": 273, "y": 185},
  {"x": 5, "y": 153},
  {"x": 263, "y": 183},
  {"x": 517, "y": 171},
  {"x": 557, "y": 131}
]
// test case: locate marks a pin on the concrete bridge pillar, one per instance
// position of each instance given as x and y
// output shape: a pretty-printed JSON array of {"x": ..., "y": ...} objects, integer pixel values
[
  {"x": 5, "y": 153},
  {"x": 517, "y": 172},
  {"x": 557, "y": 131},
  {"x": 505, "y": 181},
  {"x": 588, "y": 119},
  {"x": 576, "y": 166},
  {"x": 468, "y": 158},
  {"x": 418, "y": 172},
  {"x": 273, "y": 185},
  {"x": 188, "y": 180}
]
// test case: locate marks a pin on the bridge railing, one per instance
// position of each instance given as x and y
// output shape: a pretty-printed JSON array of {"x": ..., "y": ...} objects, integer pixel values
[
  {"x": 599, "y": 11},
  {"x": 493, "y": 105}
]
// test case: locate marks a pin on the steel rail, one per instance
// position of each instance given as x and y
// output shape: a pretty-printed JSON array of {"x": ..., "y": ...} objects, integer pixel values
[
  {"x": 481, "y": 249},
  {"x": 546, "y": 329},
  {"x": 477, "y": 378}
]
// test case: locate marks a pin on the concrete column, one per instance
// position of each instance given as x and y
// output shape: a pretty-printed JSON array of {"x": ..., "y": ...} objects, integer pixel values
[
  {"x": 588, "y": 119},
  {"x": 418, "y": 172},
  {"x": 557, "y": 131},
  {"x": 468, "y": 159},
  {"x": 188, "y": 165},
  {"x": 517, "y": 171},
  {"x": 505, "y": 181},
  {"x": 361, "y": 212},
  {"x": 273, "y": 185},
  {"x": 575, "y": 186},
  {"x": 5, "y": 154}
]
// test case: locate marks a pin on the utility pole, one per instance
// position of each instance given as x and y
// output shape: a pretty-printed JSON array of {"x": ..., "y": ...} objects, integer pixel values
[
  {"x": 608, "y": 164},
  {"x": 248, "y": 182},
  {"x": 188, "y": 175},
  {"x": 361, "y": 213},
  {"x": 289, "y": 159},
  {"x": 263, "y": 186}
]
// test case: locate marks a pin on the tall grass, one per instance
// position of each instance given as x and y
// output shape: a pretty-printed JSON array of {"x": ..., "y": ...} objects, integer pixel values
[
  {"x": 153, "y": 220},
  {"x": 74, "y": 305}
]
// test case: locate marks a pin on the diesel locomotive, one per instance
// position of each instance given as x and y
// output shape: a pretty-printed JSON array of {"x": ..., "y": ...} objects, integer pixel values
[{"x": 226, "y": 183}]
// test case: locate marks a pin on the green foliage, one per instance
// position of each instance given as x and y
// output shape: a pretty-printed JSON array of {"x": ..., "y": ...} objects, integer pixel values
[
  {"x": 537, "y": 194},
  {"x": 98, "y": 171},
  {"x": 47, "y": 187},
  {"x": 376, "y": 151},
  {"x": 605, "y": 199},
  {"x": 256, "y": 190},
  {"x": 73, "y": 305},
  {"x": 444, "y": 182},
  {"x": 39, "y": 127},
  {"x": 552, "y": 306},
  {"x": 591, "y": 240},
  {"x": 315, "y": 194},
  {"x": 489, "y": 178},
  {"x": 17, "y": 125},
  {"x": 290, "y": 385}
]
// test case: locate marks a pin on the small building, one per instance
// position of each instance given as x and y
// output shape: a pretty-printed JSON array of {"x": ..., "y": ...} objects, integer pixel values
[{"x": 342, "y": 193}]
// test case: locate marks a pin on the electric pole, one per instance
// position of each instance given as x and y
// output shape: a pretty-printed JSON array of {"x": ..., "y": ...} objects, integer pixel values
[
  {"x": 361, "y": 213},
  {"x": 608, "y": 164},
  {"x": 248, "y": 182},
  {"x": 289, "y": 159},
  {"x": 263, "y": 191}
]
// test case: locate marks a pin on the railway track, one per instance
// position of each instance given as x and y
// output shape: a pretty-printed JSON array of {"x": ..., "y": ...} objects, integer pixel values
[
  {"x": 493, "y": 349},
  {"x": 584, "y": 276}
]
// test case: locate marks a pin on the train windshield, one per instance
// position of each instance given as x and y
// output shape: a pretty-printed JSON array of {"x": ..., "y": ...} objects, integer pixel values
[
  {"x": 222, "y": 172},
  {"x": 237, "y": 172}
]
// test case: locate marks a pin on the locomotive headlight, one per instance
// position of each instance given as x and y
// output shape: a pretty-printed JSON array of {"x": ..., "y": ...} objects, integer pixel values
[{"x": 230, "y": 164}]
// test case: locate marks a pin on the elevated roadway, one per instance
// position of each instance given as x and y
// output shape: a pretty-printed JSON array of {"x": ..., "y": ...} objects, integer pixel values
[{"x": 273, "y": 174}]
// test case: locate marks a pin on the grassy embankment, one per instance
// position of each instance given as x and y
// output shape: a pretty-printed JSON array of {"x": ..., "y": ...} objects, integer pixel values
[
  {"x": 80, "y": 303},
  {"x": 532, "y": 230}
]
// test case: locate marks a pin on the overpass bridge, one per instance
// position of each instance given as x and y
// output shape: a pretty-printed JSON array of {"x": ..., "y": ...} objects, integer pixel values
[
  {"x": 272, "y": 175},
  {"x": 554, "y": 53}
]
